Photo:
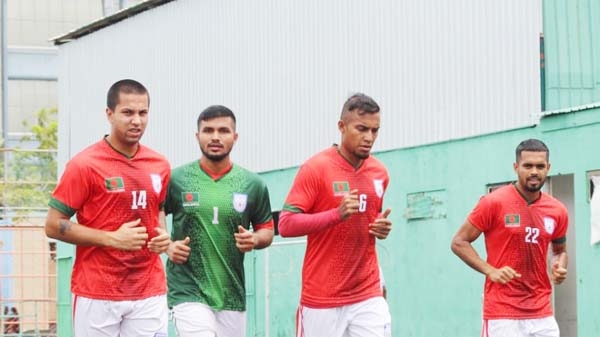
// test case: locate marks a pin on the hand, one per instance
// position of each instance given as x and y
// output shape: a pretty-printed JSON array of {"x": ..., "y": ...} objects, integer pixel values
[
  {"x": 559, "y": 273},
  {"x": 503, "y": 275},
  {"x": 349, "y": 204},
  {"x": 160, "y": 243},
  {"x": 130, "y": 236},
  {"x": 244, "y": 240},
  {"x": 179, "y": 251},
  {"x": 382, "y": 226}
]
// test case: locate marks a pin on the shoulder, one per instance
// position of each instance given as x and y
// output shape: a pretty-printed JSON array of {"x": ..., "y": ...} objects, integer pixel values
[
  {"x": 322, "y": 158},
  {"x": 151, "y": 153},
  {"x": 374, "y": 163},
  {"x": 249, "y": 176},
  {"x": 88, "y": 156},
  {"x": 497, "y": 197},
  {"x": 555, "y": 203},
  {"x": 184, "y": 170}
]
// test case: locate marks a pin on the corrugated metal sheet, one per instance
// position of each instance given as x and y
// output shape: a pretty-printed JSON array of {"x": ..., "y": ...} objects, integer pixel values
[
  {"x": 440, "y": 70},
  {"x": 572, "y": 30}
]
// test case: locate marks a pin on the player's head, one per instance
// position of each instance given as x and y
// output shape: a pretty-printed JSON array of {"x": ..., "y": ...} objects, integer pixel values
[
  {"x": 127, "y": 104},
  {"x": 532, "y": 165},
  {"x": 215, "y": 111},
  {"x": 126, "y": 86},
  {"x": 532, "y": 145},
  {"x": 359, "y": 126},
  {"x": 216, "y": 132},
  {"x": 360, "y": 104}
]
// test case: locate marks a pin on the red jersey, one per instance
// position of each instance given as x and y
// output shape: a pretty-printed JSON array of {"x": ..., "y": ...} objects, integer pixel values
[
  {"x": 517, "y": 234},
  {"x": 340, "y": 264},
  {"x": 106, "y": 189}
]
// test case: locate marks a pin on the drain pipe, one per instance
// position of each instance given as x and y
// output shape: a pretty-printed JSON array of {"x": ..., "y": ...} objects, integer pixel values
[{"x": 3, "y": 69}]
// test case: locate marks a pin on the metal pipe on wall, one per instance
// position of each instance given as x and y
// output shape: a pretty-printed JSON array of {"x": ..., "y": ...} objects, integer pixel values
[{"x": 3, "y": 68}]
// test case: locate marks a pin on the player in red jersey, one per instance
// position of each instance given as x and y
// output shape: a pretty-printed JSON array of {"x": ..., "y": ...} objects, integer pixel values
[
  {"x": 336, "y": 200},
  {"x": 519, "y": 223},
  {"x": 116, "y": 187}
]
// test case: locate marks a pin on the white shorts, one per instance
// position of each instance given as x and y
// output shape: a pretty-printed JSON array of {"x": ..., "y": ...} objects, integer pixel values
[
  {"x": 537, "y": 327},
  {"x": 148, "y": 317},
  {"x": 369, "y": 318},
  {"x": 192, "y": 319}
]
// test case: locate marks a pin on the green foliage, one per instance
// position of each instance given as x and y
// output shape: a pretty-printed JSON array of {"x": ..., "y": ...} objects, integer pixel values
[{"x": 31, "y": 173}]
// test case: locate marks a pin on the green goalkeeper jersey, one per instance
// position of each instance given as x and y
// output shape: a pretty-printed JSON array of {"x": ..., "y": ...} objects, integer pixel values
[{"x": 209, "y": 212}]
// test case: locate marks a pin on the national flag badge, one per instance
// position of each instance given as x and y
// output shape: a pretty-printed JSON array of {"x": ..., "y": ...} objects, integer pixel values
[
  {"x": 340, "y": 188},
  {"x": 114, "y": 184},
  {"x": 190, "y": 199},
  {"x": 512, "y": 220},
  {"x": 239, "y": 201}
]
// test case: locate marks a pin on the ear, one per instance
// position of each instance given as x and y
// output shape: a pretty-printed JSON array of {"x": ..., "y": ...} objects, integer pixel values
[
  {"x": 109, "y": 113},
  {"x": 235, "y": 137},
  {"x": 341, "y": 125},
  {"x": 515, "y": 166}
]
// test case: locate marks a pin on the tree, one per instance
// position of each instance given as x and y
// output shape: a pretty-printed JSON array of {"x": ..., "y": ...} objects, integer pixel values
[{"x": 31, "y": 170}]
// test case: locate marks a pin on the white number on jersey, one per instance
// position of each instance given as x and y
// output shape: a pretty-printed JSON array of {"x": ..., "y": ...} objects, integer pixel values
[
  {"x": 532, "y": 234},
  {"x": 215, "y": 220},
  {"x": 362, "y": 202},
  {"x": 139, "y": 201}
]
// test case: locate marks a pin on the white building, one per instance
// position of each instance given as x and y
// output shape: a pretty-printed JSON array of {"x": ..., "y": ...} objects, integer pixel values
[{"x": 440, "y": 70}]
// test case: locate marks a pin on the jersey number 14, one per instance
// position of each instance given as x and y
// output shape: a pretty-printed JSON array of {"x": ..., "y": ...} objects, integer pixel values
[{"x": 138, "y": 199}]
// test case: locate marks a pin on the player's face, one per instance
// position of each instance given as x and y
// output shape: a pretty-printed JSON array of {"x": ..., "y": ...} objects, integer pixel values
[
  {"x": 128, "y": 120},
  {"x": 532, "y": 170},
  {"x": 216, "y": 137},
  {"x": 358, "y": 134}
]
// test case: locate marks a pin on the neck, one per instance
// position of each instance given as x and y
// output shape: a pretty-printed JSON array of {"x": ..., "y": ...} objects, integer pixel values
[
  {"x": 125, "y": 149},
  {"x": 215, "y": 167},
  {"x": 529, "y": 196},
  {"x": 355, "y": 162}
]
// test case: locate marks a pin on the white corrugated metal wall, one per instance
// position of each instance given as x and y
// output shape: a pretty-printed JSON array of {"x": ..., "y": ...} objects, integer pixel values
[{"x": 439, "y": 69}]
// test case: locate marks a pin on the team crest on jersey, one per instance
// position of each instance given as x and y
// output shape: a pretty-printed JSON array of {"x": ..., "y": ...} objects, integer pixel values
[
  {"x": 512, "y": 220},
  {"x": 156, "y": 182},
  {"x": 114, "y": 184},
  {"x": 340, "y": 188},
  {"x": 190, "y": 199},
  {"x": 549, "y": 224},
  {"x": 239, "y": 201},
  {"x": 378, "y": 187}
]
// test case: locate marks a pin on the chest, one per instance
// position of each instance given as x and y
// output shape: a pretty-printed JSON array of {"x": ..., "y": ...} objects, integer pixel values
[{"x": 523, "y": 223}]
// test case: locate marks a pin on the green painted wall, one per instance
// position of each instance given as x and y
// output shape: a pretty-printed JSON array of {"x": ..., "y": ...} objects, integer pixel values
[
  {"x": 571, "y": 30},
  {"x": 431, "y": 292}
]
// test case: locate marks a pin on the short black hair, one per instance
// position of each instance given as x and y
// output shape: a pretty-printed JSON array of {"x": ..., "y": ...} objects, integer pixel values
[
  {"x": 533, "y": 145},
  {"x": 126, "y": 86},
  {"x": 215, "y": 111},
  {"x": 361, "y": 102}
]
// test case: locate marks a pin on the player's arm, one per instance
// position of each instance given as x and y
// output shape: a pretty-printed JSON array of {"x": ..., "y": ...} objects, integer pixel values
[
  {"x": 298, "y": 224},
  {"x": 130, "y": 236},
  {"x": 292, "y": 224},
  {"x": 559, "y": 261},
  {"x": 260, "y": 238},
  {"x": 463, "y": 248}
]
